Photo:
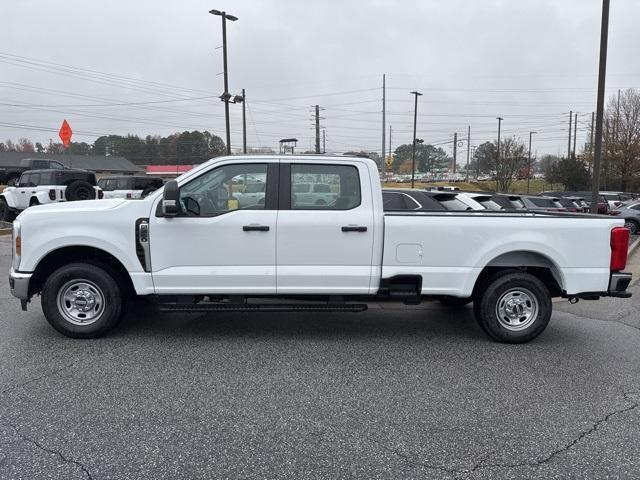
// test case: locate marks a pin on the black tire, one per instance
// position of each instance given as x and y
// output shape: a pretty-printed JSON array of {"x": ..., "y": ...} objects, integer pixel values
[
  {"x": 6, "y": 215},
  {"x": 58, "y": 311},
  {"x": 514, "y": 307},
  {"x": 33, "y": 202},
  {"x": 632, "y": 225},
  {"x": 79, "y": 190},
  {"x": 455, "y": 301}
]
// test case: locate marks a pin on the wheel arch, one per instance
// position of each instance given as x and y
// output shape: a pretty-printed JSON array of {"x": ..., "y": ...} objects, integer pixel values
[
  {"x": 8, "y": 199},
  {"x": 79, "y": 254},
  {"x": 535, "y": 263}
]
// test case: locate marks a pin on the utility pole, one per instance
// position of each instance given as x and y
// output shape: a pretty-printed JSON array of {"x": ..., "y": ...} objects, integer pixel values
[
  {"x": 455, "y": 151},
  {"x": 529, "y": 161},
  {"x": 604, "y": 38},
  {"x": 468, "y": 150},
  {"x": 244, "y": 122},
  {"x": 384, "y": 111},
  {"x": 593, "y": 120},
  {"x": 477, "y": 163},
  {"x": 317, "y": 128},
  {"x": 500, "y": 119},
  {"x": 413, "y": 151},
  {"x": 575, "y": 135},
  {"x": 226, "y": 95},
  {"x": 390, "y": 131},
  {"x": 569, "y": 147},
  {"x": 324, "y": 140}
]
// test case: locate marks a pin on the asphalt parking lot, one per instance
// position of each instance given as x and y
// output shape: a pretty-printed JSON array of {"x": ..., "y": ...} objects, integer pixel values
[{"x": 394, "y": 392}]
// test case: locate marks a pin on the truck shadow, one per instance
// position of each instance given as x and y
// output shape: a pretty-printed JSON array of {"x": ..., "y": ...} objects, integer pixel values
[{"x": 428, "y": 323}]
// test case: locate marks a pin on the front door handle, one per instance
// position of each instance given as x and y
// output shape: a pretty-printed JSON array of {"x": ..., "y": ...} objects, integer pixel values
[
  {"x": 354, "y": 228},
  {"x": 255, "y": 228}
]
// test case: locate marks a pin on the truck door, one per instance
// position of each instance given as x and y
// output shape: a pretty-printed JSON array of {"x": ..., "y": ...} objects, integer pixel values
[
  {"x": 325, "y": 247},
  {"x": 217, "y": 246},
  {"x": 26, "y": 189}
]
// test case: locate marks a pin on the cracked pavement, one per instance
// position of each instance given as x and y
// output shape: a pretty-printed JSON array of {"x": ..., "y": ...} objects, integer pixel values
[{"x": 389, "y": 393}]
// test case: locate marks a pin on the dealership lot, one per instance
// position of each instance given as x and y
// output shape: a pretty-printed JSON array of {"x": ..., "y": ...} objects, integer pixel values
[{"x": 390, "y": 393}]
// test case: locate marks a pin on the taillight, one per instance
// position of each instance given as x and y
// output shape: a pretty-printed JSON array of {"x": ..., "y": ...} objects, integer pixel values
[
  {"x": 615, "y": 212},
  {"x": 128, "y": 196},
  {"x": 619, "y": 245},
  {"x": 52, "y": 194}
]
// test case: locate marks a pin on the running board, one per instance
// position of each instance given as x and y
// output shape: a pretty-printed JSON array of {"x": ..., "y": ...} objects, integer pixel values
[{"x": 261, "y": 307}]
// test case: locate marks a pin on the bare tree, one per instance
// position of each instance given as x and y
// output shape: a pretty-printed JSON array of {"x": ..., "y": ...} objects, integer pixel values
[
  {"x": 622, "y": 137},
  {"x": 513, "y": 156}
]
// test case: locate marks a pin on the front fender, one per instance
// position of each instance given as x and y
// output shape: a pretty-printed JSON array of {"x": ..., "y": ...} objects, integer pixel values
[{"x": 8, "y": 197}]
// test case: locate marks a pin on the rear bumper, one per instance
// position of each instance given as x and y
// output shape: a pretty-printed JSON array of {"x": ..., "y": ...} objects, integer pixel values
[
  {"x": 19, "y": 284},
  {"x": 618, "y": 285}
]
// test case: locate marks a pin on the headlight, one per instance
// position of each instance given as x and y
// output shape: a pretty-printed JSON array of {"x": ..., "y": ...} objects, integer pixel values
[{"x": 17, "y": 244}]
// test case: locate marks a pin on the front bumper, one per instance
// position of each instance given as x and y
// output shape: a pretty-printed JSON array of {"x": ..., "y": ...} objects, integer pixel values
[
  {"x": 19, "y": 284},
  {"x": 618, "y": 285}
]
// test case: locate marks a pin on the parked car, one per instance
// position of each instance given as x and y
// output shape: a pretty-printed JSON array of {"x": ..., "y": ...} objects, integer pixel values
[
  {"x": 580, "y": 203},
  {"x": 542, "y": 204},
  {"x": 631, "y": 214},
  {"x": 399, "y": 199},
  {"x": 38, "y": 187},
  {"x": 568, "y": 204},
  {"x": 508, "y": 201},
  {"x": 603, "y": 205},
  {"x": 10, "y": 175},
  {"x": 313, "y": 194},
  {"x": 129, "y": 187},
  {"x": 189, "y": 251},
  {"x": 614, "y": 199},
  {"x": 469, "y": 201},
  {"x": 252, "y": 194}
]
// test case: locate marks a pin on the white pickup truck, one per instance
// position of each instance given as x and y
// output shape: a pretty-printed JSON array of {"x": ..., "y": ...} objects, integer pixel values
[{"x": 191, "y": 247}]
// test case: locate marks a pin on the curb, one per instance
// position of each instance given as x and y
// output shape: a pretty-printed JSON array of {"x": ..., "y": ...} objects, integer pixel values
[{"x": 633, "y": 247}]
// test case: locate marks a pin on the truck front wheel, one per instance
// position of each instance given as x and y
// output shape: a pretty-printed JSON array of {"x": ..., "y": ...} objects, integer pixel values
[
  {"x": 82, "y": 300},
  {"x": 514, "y": 307}
]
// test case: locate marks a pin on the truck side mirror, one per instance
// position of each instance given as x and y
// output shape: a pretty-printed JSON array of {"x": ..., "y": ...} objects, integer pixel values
[{"x": 171, "y": 199}]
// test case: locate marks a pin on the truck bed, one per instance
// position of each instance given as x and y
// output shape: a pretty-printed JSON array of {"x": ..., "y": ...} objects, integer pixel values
[{"x": 450, "y": 254}]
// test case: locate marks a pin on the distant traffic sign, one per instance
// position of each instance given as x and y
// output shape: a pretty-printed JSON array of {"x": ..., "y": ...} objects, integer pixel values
[{"x": 65, "y": 134}]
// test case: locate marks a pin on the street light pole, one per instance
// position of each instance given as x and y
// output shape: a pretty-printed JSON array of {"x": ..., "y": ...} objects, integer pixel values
[
  {"x": 604, "y": 37},
  {"x": 499, "y": 125},
  {"x": 529, "y": 162},
  {"x": 226, "y": 95},
  {"x": 413, "y": 151},
  {"x": 244, "y": 122}
]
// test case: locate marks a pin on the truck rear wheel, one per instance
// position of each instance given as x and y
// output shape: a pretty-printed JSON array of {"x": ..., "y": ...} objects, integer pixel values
[
  {"x": 514, "y": 307},
  {"x": 82, "y": 300},
  {"x": 79, "y": 190}
]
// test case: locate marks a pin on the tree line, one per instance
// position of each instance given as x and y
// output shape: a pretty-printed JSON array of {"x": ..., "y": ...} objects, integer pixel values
[{"x": 179, "y": 148}]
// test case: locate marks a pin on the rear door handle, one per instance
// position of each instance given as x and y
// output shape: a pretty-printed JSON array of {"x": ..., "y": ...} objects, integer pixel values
[
  {"x": 255, "y": 228},
  {"x": 353, "y": 228}
]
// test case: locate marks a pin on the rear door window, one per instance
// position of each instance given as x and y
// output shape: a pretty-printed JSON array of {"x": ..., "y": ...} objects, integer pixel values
[
  {"x": 324, "y": 187},
  {"x": 47, "y": 178}
]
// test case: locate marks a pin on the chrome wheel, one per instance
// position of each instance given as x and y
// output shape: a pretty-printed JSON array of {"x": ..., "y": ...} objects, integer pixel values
[
  {"x": 632, "y": 226},
  {"x": 80, "y": 302},
  {"x": 517, "y": 309}
]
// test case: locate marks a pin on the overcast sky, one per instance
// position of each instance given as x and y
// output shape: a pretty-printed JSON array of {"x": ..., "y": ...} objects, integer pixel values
[{"x": 529, "y": 61}]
